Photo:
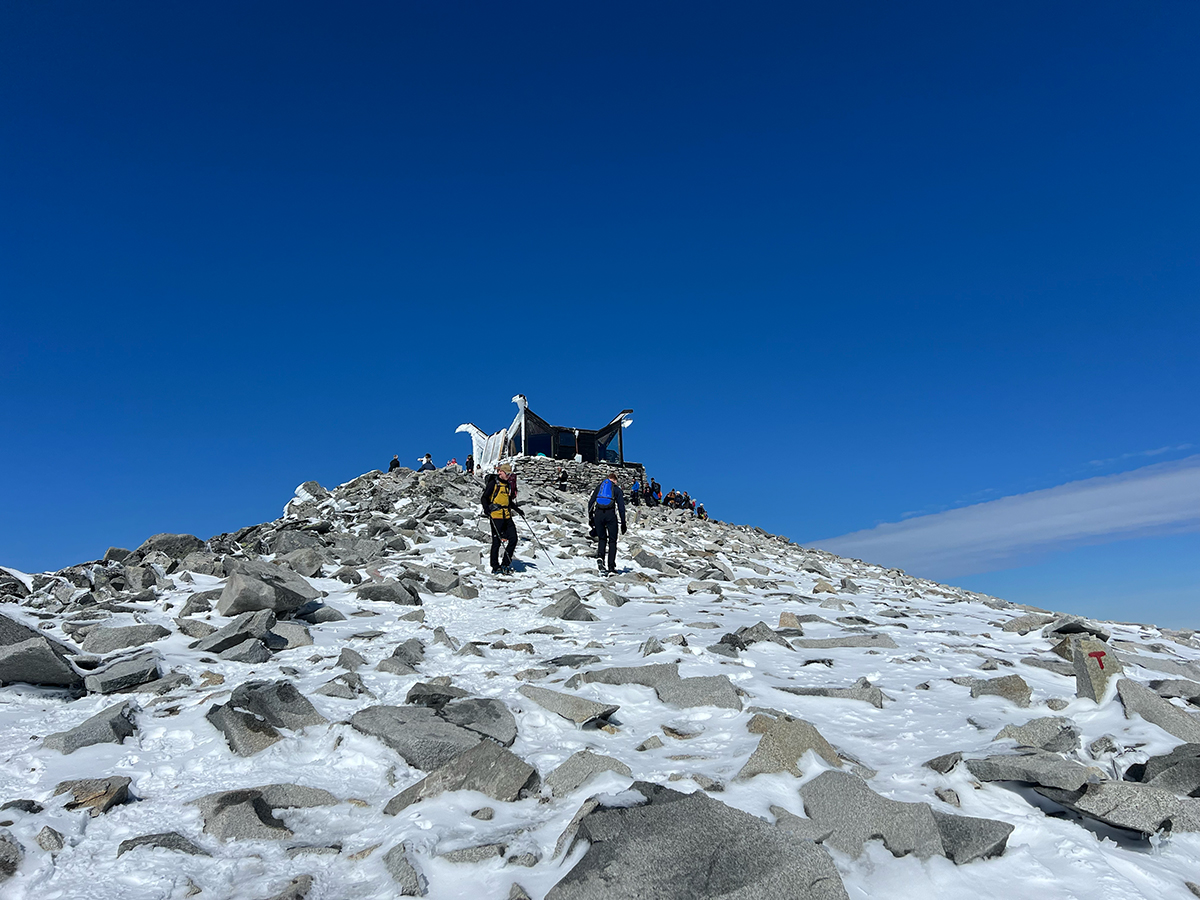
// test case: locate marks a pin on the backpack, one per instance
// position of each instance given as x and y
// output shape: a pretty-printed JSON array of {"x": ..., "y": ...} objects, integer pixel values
[
  {"x": 604, "y": 497},
  {"x": 500, "y": 496}
]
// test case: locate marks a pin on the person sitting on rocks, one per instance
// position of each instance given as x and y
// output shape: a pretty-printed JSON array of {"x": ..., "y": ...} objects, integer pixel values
[
  {"x": 427, "y": 464},
  {"x": 606, "y": 500},
  {"x": 394, "y": 464},
  {"x": 499, "y": 501},
  {"x": 701, "y": 513}
]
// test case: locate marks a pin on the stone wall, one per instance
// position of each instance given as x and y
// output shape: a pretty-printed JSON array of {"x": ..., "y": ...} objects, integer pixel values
[{"x": 582, "y": 478}]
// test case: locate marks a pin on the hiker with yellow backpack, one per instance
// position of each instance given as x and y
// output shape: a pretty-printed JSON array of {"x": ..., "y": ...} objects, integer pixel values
[{"x": 499, "y": 501}]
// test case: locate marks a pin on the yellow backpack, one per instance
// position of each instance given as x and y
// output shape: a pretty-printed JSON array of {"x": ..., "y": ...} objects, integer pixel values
[{"x": 501, "y": 498}]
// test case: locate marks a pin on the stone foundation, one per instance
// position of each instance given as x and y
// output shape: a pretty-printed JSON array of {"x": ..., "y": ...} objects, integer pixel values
[{"x": 582, "y": 478}]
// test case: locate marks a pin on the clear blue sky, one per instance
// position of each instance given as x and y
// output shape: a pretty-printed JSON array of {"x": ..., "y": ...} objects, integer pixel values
[{"x": 850, "y": 263}]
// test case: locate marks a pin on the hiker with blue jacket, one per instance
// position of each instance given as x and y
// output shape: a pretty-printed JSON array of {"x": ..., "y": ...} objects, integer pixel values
[{"x": 604, "y": 504}]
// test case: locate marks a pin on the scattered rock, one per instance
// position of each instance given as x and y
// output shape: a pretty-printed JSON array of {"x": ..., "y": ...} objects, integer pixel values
[
  {"x": 241, "y": 815},
  {"x": 782, "y": 745},
  {"x": 1140, "y": 700},
  {"x": 487, "y": 767},
  {"x": 110, "y": 726},
  {"x": 860, "y": 690},
  {"x": 569, "y": 606},
  {"x": 168, "y": 840},
  {"x": 579, "y": 710},
  {"x": 580, "y": 767},
  {"x": 1054, "y": 733},
  {"x": 417, "y": 733},
  {"x": 124, "y": 674},
  {"x": 1032, "y": 766},
  {"x": 107, "y": 639},
  {"x": 37, "y": 661},
  {"x": 409, "y": 882},
  {"x": 691, "y": 847},
  {"x": 50, "y": 840},
  {"x": 96, "y": 795},
  {"x": 1011, "y": 687},
  {"x": 1095, "y": 665}
]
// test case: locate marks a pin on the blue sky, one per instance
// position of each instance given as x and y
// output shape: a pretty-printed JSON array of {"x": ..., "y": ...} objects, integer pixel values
[{"x": 850, "y": 263}]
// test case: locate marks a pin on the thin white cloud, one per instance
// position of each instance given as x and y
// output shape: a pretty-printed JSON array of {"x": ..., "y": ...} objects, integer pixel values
[{"x": 1156, "y": 499}]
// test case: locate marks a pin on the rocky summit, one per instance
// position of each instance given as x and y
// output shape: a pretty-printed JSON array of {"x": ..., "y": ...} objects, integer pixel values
[{"x": 343, "y": 703}]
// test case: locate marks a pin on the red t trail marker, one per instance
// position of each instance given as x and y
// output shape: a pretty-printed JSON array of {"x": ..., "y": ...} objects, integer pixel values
[{"x": 1096, "y": 654}]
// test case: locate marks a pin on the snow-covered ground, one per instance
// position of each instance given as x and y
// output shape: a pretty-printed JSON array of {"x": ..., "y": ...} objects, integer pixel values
[{"x": 939, "y": 632}]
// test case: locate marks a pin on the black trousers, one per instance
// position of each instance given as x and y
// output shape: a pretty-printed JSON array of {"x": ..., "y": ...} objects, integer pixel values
[
  {"x": 503, "y": 530},
  {"x": 605, "y": 521}
]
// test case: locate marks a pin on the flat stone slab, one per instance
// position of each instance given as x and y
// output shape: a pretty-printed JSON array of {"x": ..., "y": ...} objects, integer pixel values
[
  {"x": 417, "y": 733},
  {"x": 488, "y": 717},
  {"x": 579, "y": 768},
  {"x": 691, "y": 847},
  {"x": 388, "y": 591},
  {"x": 1136, "y": 807},
  {"x": 569, "y": 606},
  {"x": 1140, "y": 700},
  {"x": 861, "y": 690},
  {"x": 278, "y": 703},
  {"x": 1011, "y": 687},
  {"x": 107, "y": 639},
  {"x": 706, "y": 690},
  {"x": 244, "y": 732},
  {"x": 878, "y": 641},
  {"x": 241, "y": 815},
  {"x": 782, "y": 745},
  {"x": 1033, "y": 767},
  {"x": 487, "y": 767},
  {"x": 124, "y": 674},
  {"x": 109, "y": 726},
  {"x": 167, "y": 840},
  {"x": 579, "y": 710},
  {"x": 96, "y": 795},
  {"x": 855, "y": 814},
  {"x": 1057, "y": 734}
]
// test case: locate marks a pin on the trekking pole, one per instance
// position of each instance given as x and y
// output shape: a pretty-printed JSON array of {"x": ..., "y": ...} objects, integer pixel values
[{"x": 533, "y": 534}]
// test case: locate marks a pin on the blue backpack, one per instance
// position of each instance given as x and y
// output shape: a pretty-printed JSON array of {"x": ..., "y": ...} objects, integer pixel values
[{"x": 605, "y": 496}]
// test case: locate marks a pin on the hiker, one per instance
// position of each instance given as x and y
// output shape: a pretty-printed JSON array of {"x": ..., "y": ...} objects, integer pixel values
[
  {"x": 499, "y": 501},
  {"x": 427, "y": 464},
  {"x": 701, "y": 513},
  {"x": 606, "y": 500},
  {"x": 394, "y": 464},
  {"x": 561, "y": 479},
  {"x": 470, "y": 464},
  {"x": 688, "y": 502},
  {"x": 656, "y": 492},
  {"x": 635, "y": 493}
]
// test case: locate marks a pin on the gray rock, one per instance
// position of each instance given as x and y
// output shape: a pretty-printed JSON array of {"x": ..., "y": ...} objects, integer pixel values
[
  {"x": 708, "y": 690},
  {"x": 350, "y": 659},
  {"x": 1169, "y": 666},
  {"x": 409, "y": 882},
  {"x": 388, "y": 591},
  {"x": 176, "y": 546},
  {"x": 297, "y": 889},
  {"x": 50, "y": 840},
  {"x": 966, "y": 838},
  {"x": 1140, "y": 700},
  {"x": 1067, "y": 625},
  {"x": 201, "y": 563},
  {"x": 245, "y": 732},
  {"x": 440, "y": 581},
  {"x": 580, "y": 767},
  {"x": 105, "y": 640},
  {"x": 124, "y": 674},
  {"x": 318, "y": 614},
  {"x": 579, "y": 710},
  {"x": 14, "y": 632},
  {"x": 417, "y": 733},
  {"x": 96, "y": 795},
  {"x": 254, "y": 585},
  {"x": 691, "y": 847},
  {"x": 1157, "y": 765},
  {"x": 1011, "y": 687},
  {"x": 1051, "y": 664},
  {"x": 1137, "y": 807},
  {"x": 759, "y": 632},
  {"x": 289, "y": 541},
  {"x": 277, "y": 703},
  {"x": 433, "y": 694},
  {"x": 1184, "y": 688},
  {"x": 250, "y": 652},
  {"x": 476, "y": 854},
  {"x": 1095, "y": 665},
  {"x": 37, "y": 661},
  {"x": 487, "y": 767},
  {"x": 241, "y": 815},
  {"x": 488, "y": 717},
  {"x": 650, "y": 645},
  {"x": 200, "y": 602},
  {"x": 142, "y": 578},
  {"x": 782, "y": 745},
  {"x": 347, "y": 686},
  {"x": 295, "y": 796},
  {"x": 110, "y": 726},
  {"x": 1027, "y": 623},
  {"x": 648, "y": 560},
  {"x": 11, "y": 853},
  {"x": 410, "y": 653},
  {"x": 567, "y": 605},
  {"x": 1054, "y": 733},
  {"x": 306, "y": 561},
  {"x": 167, "y": 840},
  {"x": 803, "y": 828},
  {"x": 944, "y": 763},
  {"x": 878, "y": 641},
  {"x": 293, "y": 635},
  {"x": 860, "y": 690},
  {"x": 194, "y": 628},
  {"x": 1032, "y": 766},
  {"x": 855, "y": 814}
]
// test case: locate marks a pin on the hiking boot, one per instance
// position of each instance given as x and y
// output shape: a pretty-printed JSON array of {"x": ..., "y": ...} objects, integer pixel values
[
  {"x": 506, "y": 570},
  {"x": 600, "y": 566},
  {"x": 497, "y": 570},
  {"x": 612, "y": 570}
]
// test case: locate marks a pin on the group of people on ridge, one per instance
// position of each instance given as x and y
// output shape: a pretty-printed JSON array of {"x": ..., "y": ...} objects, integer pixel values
[{"x": 651, "y": 494}]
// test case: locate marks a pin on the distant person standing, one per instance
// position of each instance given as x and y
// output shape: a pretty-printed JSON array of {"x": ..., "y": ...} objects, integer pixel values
[
  {"x": 604, "y": 504},
  {"x": 635, "y": 492},
  {"x": 499, "y": 501},
  {"x": 469, "y": 465},
  {"x": 394, "y": 464},
  {"x": 427, "y": 464}
]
